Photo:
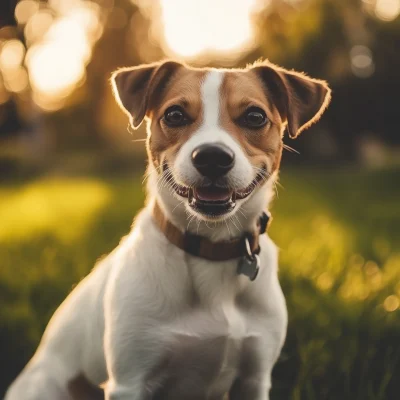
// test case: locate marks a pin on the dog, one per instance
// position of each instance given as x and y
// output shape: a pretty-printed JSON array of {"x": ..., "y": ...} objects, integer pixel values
[{"x": 189, "y": 305}]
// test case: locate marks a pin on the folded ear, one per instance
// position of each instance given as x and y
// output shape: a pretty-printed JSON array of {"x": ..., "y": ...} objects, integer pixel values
[
  {"x": 299, "y": 99},
  {"x": 135, "y": 87}
]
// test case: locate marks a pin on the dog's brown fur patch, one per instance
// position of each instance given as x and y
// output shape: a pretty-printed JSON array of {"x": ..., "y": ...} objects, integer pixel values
[{"x": 291, "y": 100}]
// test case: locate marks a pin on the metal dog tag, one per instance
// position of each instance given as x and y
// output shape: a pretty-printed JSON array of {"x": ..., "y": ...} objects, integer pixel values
[{"x": 249, "y": 266}]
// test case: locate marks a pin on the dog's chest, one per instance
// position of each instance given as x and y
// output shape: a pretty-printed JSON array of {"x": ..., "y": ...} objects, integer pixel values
[{"x": 203, "y": 349}]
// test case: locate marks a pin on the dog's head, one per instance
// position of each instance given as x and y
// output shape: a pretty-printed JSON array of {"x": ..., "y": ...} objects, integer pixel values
[{"x": 215, "y": 135}]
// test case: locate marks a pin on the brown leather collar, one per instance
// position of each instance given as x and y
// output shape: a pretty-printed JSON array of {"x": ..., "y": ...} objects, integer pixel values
[{"x": 200, "y": 246}]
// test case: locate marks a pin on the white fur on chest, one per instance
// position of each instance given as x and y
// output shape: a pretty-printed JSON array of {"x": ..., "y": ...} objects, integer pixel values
[{"x": 167, "y": 305}]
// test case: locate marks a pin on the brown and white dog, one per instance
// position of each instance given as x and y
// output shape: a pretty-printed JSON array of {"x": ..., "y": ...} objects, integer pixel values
[{"x": 175, "y": 312}]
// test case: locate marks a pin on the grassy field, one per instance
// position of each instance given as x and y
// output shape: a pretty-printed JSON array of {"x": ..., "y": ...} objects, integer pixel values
[{"x": 339, "y": 235}]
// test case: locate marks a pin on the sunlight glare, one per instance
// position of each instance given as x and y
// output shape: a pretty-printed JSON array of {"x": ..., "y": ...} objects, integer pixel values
[
  {"x": 60, "y": 49},
  {"x": 38, "y": 25},
  {"x": 54, "y": 69},
  {"x": 16, "y": 80},
  {"x": 69, "y": 35},
  {"x": 87, "y": 16},
  {"x": 63, "y": 7},
  {"x": 25, "y": 9},
  {"x": 11, "y": 54},
  {"x": 387, "y": 10},
  {"x": 191, "y": 28}
]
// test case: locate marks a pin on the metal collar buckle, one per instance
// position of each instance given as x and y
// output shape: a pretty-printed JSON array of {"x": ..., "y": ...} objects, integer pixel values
[
  {"x": 264, "y": 221},
  {"x": 249, "y": 264}
]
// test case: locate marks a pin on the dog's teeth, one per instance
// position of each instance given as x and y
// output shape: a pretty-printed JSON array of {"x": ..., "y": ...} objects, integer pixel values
[
  {"x": 233, "y": 198},
  {"x": 190, "y": 196}
]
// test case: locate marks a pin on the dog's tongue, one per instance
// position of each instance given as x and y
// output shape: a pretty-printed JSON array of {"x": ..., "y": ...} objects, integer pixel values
[{"x": 212, "y": 194}]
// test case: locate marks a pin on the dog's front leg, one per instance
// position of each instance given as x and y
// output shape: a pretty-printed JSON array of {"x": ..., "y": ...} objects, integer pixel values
[
  {"x": 254, "y": 379},
  {"x": 261, "y": 350},
  {"x": 128, "y": 359},
  {"x": 250, "y": 389},
  {"x": 127, "y": 379},
  {"x": 131, "y": 344},
  {"x": 117, "y": 391}
]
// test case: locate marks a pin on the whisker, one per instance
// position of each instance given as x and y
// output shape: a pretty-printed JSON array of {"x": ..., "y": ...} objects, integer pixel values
[
  {"x": 291, "y": 149},
  {"x": 149, "y": 172},
  {"x": 241, "y": 212},
  {"x": 233, "y": 222},
  {"x": 138, "y": 140},
  {"x": 181, "y": 202},
  {"x": 238, "y": 220},
  {"x": 230, "y": 234},
  {"x": 208, "y": 225},
  {"x": 190, "y": 220}
]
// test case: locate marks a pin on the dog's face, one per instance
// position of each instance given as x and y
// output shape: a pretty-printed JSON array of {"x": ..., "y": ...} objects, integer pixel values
[{"x": 215, "y": 136}]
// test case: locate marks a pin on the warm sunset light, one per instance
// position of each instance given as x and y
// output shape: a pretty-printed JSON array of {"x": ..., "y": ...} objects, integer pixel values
[
  {"x": 59, "y": 36},
  {"x": 53, "y": 69},
  {"x": 387, "y": 10},
  {"x": 14, "y": 74},
  {"x": 128, "y": 127},
  {"x": 25, "y": 9},
  {"x": 11, "y": 55},
  {"x": 60, "y": 40},
  {"x": 37, "y": 26},
  {"x": 193, "y": 27}
]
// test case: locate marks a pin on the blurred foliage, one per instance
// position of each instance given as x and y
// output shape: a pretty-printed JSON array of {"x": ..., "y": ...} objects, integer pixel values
[
  {"x": 321, "y": 38},
  {"x": 338, "y": 231},
  {"x": 340, "y": 266},
  {"x": 350, "y": 43}
]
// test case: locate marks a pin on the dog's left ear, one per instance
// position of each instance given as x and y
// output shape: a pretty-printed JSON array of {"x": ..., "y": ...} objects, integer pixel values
[
  {"x": 135, "y": 87},
  {"x": 299, "y": 99}
]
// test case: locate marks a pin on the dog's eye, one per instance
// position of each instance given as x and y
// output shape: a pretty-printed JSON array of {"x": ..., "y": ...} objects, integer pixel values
[
  {"x": 175, "y": 116},
  {"x": 253, "y": 117}
]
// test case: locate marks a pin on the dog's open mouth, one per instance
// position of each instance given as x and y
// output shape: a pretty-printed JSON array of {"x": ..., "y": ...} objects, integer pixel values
[{"x": 213, "y": 200}]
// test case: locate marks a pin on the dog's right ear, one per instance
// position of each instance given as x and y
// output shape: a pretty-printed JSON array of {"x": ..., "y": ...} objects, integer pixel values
[
  {"x": 300, "y": 100},
  {"x": 134, "y": 87}
]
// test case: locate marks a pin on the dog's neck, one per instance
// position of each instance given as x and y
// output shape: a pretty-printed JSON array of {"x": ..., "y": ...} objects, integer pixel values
[{"x": 245, "y": 219}]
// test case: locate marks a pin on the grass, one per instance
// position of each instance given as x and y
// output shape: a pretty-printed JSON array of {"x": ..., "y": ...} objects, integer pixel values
[{"x": 339, "y": 235}]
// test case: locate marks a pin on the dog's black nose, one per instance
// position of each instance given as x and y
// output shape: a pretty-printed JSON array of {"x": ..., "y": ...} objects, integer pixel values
[{"x": 213, "y": 160}]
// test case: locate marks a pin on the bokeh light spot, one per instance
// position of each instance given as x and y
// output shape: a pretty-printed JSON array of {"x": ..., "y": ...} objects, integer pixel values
[
  {"x": 387, "y": 10},
  {"x": 190, "y": 28},
  {"x": 25, "y": 9},
  {"x": 362, "y": 63},
  {"x": 391, "y": 303},
  {"x": 60, "y": 37},
  {"x": 38, "y": 25},
  {"x": 11, "y": 55},
  {"x": 325, "y": 281},
  {"x": 54, "y": 69},
  {"x": 16, "y": 80}
]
